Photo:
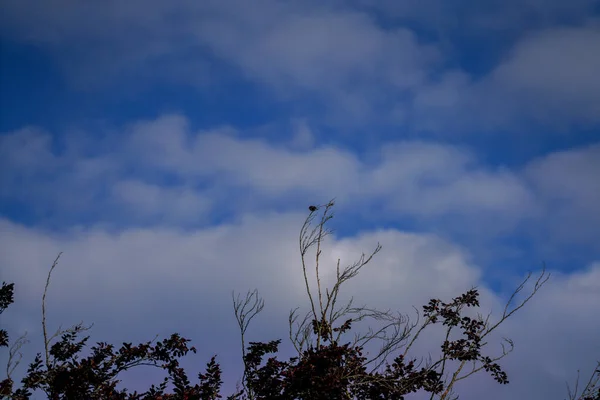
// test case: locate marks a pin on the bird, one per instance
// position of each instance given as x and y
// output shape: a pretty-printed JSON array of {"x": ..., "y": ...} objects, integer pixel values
[{"x": 312, "y": 208}]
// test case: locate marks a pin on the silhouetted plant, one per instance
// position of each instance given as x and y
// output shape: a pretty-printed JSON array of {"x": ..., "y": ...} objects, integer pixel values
[{"x": 327, "y": 369}]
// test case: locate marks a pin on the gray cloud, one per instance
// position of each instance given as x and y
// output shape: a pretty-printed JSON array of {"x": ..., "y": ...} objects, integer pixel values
[
  {"x": 338, "y": 54},
  {"x": 548, "y": 78},
  {"x": 490, "y": 18},
  {"x": 284, "y": 45}
]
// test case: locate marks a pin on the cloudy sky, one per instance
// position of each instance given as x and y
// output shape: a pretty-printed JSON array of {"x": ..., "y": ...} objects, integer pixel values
[{"x": 171, "y": 149}]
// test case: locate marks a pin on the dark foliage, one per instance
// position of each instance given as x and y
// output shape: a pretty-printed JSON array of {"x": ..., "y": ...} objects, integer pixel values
[{"x": 332, "y": 371}]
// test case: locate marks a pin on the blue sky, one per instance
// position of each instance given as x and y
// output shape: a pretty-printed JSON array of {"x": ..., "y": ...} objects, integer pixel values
[{"x": 192, "y": 135}]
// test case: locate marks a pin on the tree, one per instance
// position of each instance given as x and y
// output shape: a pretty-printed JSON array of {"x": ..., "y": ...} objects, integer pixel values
[{"x": 328, "y": 365}]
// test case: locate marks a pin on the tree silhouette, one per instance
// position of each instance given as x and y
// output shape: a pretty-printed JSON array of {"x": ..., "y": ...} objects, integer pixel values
[{"x": 329, "y": 364}]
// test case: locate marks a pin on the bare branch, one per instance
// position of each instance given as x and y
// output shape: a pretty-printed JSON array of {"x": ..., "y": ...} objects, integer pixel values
[
  {"x": 46, "y": 341},
  {"x": 591, "y": 391},
  {"x": 74, "y": 329},
  {"x": 245, "y": 310},
  {"x": 540, "y": 281},
  {"x": 15, "y": 351},
  {"x": 302, "y": 335}
]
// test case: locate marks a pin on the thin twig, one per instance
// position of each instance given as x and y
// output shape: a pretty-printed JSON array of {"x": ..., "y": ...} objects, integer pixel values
[{"x": 46, "y": 342}]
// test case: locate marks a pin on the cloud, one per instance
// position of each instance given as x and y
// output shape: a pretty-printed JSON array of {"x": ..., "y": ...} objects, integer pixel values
[
  {"x": 159, "y": 219},
  {"x": 150, "y": 200},
  {"x": 140, "y": 37},
  {"x": 433, "y": 179},
  {"x": 560, "y": 313},
  {"x": 163, "y": 162},
  {"x": 418, "y": 177},
  {"x": 321, "y": 50},
  {"x": 547, "y": 79},
  {"x": 63, "y": 179},
  {"x": 567, "y": 184},
  {"x": 115, "y": 278},
  {"x": 162, "y": 172},
  {"x": 26, "y": 150},
  {"x": 303, "y": 138},
  {"x": 168, "y": 144},
  {"x": 555, "y": 73},
  {"x": 336, "y": 60},
  {"x": 292, "y": 45}
]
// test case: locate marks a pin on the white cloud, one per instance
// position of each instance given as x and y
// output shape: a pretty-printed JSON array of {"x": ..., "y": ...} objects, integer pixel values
[
  {"x": 567, "y": 184},
  {"x": 555, "y": 73},
  {"x": 167, "y": 143},
  {"x": 164, "y": 171},
  {"x": 434, "y": 179},
  {"x": 418, "y": 178},
  {"x": 323, "y": 49},
  {"x": 303, "y": 138},
  {"x": 162, "y": 142},
  {"x": 174, "y": 204},
  {"x": 418, "y": 266},
  {"x": 33, "y": 169},
  {"x": 115, "y": 279},
  {"x": 547, "y": 78},
  {"x": 556, "y": 332}
]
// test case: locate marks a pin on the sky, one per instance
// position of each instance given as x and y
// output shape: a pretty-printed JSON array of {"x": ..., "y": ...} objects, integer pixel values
[{"x": 170, "y": 150}]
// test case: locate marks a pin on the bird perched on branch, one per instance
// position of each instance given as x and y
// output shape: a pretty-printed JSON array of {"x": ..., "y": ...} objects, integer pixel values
[{"x": 312, "y": 208}]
